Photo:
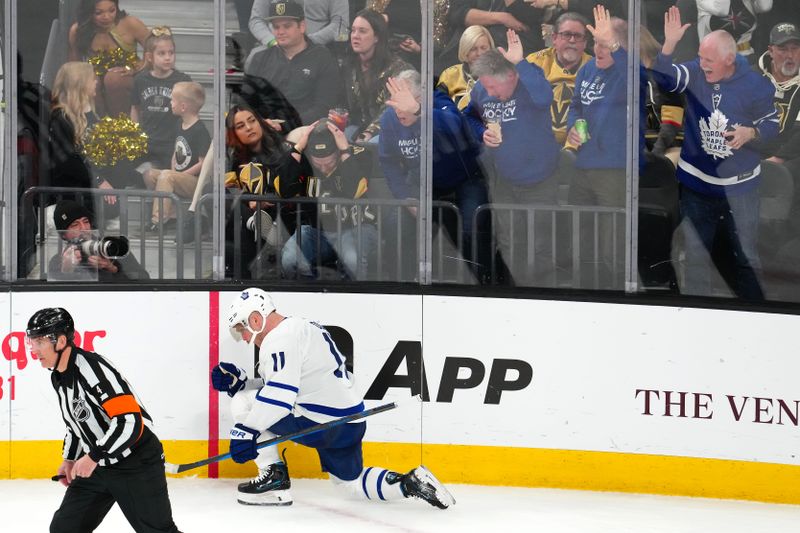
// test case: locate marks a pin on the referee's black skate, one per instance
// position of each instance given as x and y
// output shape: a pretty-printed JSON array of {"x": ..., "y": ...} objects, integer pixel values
[
  {"x": 421, "y": 483},
  {"x": 270, "y": 487}
]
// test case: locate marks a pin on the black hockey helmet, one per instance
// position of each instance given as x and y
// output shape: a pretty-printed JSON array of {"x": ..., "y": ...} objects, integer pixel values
[{"x": 51, "y": 321}]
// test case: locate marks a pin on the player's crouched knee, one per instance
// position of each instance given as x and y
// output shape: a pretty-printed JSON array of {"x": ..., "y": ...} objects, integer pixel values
[{"x": 241, "y": 404}]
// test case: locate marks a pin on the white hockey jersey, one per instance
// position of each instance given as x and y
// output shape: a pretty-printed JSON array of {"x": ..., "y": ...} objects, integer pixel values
[{"x": 304, "y": 374}]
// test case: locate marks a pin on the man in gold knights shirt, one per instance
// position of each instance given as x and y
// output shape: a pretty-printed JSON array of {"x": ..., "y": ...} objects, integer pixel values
[{"x": 561, "y": 63}]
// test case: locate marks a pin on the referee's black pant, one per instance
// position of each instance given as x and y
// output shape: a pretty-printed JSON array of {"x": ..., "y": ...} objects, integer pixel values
[{"x": 137, "y": 484}]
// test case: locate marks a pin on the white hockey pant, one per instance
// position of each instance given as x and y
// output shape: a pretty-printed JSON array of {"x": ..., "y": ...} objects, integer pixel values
[{"x": 241, "y": 403}]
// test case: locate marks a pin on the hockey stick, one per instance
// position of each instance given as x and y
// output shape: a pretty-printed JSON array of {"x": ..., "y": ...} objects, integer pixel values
[{"x": 171, "y": 468}]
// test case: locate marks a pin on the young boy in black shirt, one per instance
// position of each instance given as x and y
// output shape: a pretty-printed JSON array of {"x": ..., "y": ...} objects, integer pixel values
[{"x": 190, "y": 144}]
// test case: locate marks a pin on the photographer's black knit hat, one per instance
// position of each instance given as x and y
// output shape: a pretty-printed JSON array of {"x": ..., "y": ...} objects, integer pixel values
[{"x": 67, "y": 212}]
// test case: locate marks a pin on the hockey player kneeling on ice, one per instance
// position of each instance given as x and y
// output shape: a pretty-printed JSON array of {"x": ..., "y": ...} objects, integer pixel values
[{"x": 303, "y": 382}]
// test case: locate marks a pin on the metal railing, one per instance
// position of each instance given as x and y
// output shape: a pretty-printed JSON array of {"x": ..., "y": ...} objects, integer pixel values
[
  {"x": 576, "y": 249},
  {"x": 389, "y": 260},
  {"x": 582, "y": 245}
]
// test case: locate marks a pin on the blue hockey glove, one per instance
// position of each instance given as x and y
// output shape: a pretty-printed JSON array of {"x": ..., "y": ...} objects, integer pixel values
[
  {"x": 227, "y": 377},
  {"x": 243, "y": 443}
]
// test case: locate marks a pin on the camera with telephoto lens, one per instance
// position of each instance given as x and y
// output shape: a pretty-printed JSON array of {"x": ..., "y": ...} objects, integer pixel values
[{"x": 108, "y": 247}]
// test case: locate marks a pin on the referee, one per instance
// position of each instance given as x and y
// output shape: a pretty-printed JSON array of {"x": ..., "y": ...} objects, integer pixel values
[{"x": 110, "y": 453}]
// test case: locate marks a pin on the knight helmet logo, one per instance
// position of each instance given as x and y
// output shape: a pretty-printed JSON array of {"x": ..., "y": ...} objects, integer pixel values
[{"x": 280, "y": 9}]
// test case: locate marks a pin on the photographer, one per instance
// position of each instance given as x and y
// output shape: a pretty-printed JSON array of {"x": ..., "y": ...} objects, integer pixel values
[{"x": 73, "y": 222}]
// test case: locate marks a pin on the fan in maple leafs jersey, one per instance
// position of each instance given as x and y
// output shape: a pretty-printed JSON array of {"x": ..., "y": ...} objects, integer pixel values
[
  {"x": 729, "y": 112},
  {"x": 707, "y": 163}
]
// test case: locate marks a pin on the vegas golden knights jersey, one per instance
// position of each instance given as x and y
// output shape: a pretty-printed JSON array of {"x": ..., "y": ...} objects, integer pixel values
[{"x": 563, "y": 82}]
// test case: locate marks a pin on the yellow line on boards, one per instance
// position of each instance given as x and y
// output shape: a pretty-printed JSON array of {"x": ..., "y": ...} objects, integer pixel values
[{"x": 490, "y": 465}]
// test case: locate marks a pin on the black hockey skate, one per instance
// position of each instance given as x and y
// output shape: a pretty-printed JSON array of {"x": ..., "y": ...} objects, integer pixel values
[
  {"x": 270, "y": 487},
  {"x": 420, "y": 483}
]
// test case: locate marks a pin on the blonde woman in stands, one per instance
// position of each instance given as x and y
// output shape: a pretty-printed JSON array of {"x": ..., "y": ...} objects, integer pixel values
[
  {"x": 457, "y": 81},
  {"x": 72, "y": 114}
]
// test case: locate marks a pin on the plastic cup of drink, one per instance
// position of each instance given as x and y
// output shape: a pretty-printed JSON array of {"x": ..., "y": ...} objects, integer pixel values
[
  {"x": 339, "y": 116},
  {"x": 494, "y": 126}
]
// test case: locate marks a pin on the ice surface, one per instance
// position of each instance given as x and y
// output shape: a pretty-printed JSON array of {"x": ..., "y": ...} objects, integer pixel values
[{"x": 209, "y": 505}]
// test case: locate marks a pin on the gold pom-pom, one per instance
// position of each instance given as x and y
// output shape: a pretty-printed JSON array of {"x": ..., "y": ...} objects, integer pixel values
[
  {"x": 113, "y": 139},
  {"x": 104, "y": 60}
]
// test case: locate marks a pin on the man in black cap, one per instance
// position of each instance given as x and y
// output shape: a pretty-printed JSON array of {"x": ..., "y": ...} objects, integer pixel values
[
  {"x": 344, "y": 231},
  {"x": 303, "y": 72},
  {"x": 780, "y": 64},
  {"x": 327, "y": 21},
  {"x": 74, "y": 224}
]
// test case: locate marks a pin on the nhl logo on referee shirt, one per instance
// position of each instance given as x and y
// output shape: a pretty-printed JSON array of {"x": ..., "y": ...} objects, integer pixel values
[{"x": 79, "y": 410}]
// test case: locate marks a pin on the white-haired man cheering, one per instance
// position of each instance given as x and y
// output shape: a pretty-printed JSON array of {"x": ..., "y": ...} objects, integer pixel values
[{"x": 730, "y": 111}]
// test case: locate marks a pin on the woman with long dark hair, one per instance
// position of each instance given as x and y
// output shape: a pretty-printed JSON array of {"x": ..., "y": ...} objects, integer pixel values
[
  {"x": 259, "y": 162},
  {"x": 370, "y": 65},
  {"x": 107, "y": 37}
]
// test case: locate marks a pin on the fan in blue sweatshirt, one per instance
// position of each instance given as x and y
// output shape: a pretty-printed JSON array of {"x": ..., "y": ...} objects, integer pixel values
[
  {"x": 528, "y": 152},
  {"x": 455, "y": 149},
  {"x": 601, "y": 99},
  {"x": 514, "y": 97},
  {"x": 455, "y": 153}
]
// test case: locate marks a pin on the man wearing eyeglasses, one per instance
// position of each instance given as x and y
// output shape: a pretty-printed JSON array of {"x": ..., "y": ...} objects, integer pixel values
[{"x": 560, "y": 64}]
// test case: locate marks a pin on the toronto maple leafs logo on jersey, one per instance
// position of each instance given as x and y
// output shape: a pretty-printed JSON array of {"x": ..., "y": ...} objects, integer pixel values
[{"x": 712, "y": 135}]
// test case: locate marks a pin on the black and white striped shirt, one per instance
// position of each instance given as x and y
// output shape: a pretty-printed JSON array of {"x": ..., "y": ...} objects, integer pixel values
[{"x": 104, "y": 417}]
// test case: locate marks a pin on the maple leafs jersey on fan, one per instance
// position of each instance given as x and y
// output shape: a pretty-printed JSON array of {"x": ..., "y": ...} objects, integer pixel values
[
  {"x": 304, "y": 374},
  {"x": 706, "y": 164}
]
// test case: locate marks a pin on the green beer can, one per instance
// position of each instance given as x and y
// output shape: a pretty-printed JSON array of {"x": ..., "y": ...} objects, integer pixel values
[{"x": 582, "y": 127}]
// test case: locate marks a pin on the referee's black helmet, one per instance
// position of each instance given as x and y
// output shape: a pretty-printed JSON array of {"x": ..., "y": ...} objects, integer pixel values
[{"x": 49, "y": 321}]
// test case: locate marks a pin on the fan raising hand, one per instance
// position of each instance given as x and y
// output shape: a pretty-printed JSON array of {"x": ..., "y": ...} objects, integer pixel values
[
  {"x": 514, "y": 53},
  {"x": 673, "y": 30},
  {"x": 602, "y": 31}
]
